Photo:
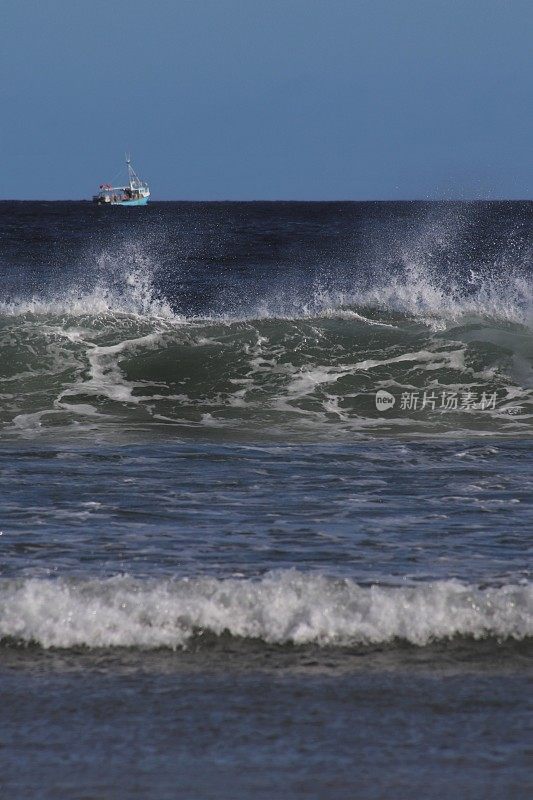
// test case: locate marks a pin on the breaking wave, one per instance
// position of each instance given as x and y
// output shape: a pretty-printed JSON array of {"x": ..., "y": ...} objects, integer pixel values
[
  {"x": 280, "y": 608},
  {"x": 115, "y": 348},
  {"x": 124, "y": 282}
]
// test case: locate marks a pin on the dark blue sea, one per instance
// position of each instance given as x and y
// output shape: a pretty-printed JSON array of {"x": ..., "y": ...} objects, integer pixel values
[{"x": 266, "y": 501}]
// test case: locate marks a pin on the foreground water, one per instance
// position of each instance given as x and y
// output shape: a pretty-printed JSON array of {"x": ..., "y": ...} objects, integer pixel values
[{"x": 225, "y": 567}]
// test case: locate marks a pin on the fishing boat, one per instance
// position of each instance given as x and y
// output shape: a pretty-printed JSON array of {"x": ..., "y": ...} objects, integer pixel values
[{"x": 136, "y": 193}]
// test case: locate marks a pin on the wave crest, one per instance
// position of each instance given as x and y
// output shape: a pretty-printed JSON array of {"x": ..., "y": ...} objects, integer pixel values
[
  {"x": 128, "y": 280},
  {"x": 281, "y": 607}
]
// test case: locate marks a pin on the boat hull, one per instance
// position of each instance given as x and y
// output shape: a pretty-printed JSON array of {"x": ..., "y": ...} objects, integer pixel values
[{"x": 140, "y": 201}]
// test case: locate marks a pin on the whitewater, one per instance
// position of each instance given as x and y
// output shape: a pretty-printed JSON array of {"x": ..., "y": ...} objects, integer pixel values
[{"x": 283, "y": 607}]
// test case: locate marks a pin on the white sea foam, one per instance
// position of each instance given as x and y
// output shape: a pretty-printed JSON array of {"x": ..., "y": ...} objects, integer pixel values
[{"x": 281, "y": 607}]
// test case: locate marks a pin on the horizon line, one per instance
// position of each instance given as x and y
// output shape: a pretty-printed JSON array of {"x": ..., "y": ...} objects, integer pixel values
[{"x": 287, "y": 200}]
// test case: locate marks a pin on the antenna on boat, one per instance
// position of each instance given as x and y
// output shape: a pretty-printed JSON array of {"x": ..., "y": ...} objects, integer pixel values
[{"x": 132, "y": 177}]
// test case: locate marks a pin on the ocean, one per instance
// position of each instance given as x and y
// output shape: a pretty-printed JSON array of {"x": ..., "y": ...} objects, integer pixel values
[{"x": 266, "y": 502}]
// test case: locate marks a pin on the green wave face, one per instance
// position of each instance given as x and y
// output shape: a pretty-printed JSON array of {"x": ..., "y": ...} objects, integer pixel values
[{"x": 308, "y": 376}]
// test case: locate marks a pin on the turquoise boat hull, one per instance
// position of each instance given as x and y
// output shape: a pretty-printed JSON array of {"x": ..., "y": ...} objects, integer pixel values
[{"x": 141, "y": 201}]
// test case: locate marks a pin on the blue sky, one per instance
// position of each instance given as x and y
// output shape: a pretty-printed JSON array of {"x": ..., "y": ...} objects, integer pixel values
[{"x": 268, "y": 99}]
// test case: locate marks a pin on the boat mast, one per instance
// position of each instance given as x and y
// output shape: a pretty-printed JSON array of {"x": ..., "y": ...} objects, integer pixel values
[
  {"x": 134, "y": 181},
  {"x": 131, "y": 173}
]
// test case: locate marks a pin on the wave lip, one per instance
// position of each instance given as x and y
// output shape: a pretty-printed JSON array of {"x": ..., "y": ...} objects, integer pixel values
[{"x": 285, "y": 607}]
